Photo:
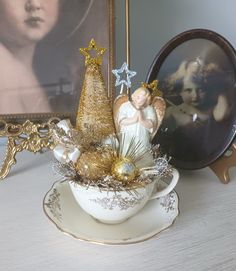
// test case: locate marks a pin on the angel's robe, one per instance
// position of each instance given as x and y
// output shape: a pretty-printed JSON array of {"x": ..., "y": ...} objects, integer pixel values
[{"x": 136, "y": 132}]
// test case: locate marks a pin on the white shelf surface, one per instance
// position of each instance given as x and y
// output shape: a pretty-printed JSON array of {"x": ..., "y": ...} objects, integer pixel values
[{"x": 202, "y": 238}]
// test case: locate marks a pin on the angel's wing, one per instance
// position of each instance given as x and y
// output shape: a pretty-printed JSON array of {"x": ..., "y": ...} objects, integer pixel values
[
  {"x": 160, "y": 106},
  {"x": 117, "y": 104}
]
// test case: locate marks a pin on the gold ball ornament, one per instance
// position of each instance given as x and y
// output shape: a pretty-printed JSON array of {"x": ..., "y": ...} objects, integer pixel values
[
  {"x": 124, "y": 170},
  {"x": 94, "y": 164}
]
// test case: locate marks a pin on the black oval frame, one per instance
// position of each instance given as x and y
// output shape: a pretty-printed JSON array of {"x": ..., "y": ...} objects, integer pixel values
[{"x": 154, "y": 70}]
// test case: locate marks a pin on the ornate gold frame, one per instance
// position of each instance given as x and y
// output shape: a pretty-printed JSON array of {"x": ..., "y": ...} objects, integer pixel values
[{"x": 27, "y": 136}]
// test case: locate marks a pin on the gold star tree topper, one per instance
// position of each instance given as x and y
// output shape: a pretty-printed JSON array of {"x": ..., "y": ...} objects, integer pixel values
[{"x": 91, "y": 50}]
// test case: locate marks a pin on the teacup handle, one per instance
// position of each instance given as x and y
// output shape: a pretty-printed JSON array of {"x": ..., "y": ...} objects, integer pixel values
[{"x": 169, "y": 188}]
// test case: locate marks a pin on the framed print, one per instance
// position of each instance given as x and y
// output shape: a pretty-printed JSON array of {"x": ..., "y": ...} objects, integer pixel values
[
  {"x": 196, "y": 71},
  {"x": 42, "y": 70}
]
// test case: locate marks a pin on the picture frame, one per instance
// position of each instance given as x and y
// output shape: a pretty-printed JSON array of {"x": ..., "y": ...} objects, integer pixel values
[
  {"x": 57, "y": 66},
  {"x": 196, "y": 71}
]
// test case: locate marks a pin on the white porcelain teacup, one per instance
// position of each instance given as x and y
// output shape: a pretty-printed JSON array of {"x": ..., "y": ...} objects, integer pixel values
[{"x": 114, "y": 207}]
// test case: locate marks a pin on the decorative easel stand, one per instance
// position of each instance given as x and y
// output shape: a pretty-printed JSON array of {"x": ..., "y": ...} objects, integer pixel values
[
  {"x": 221, "y": 166},
  {"x": 33, "y": 137}
]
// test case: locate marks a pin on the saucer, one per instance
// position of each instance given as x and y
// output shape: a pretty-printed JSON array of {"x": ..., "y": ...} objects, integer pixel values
[{"x": 62, "y": 209}]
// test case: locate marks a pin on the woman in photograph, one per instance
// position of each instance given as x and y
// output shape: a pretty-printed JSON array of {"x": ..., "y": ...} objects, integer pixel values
[
  {"x": 23, "y": 23},
  {"x": 33, "y": 62},
  {"x": 192, "y": 124}
]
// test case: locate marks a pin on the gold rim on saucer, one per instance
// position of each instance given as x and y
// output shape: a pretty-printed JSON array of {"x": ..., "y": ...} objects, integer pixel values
[{"x": 62, "y": 209}]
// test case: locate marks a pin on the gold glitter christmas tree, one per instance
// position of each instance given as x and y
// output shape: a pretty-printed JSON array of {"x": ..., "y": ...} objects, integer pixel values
[{"x": 94, "y": 116}]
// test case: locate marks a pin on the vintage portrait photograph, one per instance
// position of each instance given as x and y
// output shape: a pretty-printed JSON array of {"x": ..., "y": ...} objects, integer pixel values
[
  {"x": 41, "y": 68},
  {"x": 198, "y": 80}
]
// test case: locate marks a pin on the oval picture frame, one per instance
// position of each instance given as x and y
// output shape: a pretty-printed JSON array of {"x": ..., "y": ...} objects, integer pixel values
[{"x": 196, "y": 71}]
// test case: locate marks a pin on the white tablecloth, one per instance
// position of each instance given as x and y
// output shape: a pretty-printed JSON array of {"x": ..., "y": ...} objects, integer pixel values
[{"x": 202, "y": 238}]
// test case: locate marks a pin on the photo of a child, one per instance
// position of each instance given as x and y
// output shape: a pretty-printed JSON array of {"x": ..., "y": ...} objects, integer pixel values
[{"x": 198, "y": 81}]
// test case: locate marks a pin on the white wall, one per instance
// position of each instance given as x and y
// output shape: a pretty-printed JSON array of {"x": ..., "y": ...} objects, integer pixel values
[{"x": 155, "y": 22}]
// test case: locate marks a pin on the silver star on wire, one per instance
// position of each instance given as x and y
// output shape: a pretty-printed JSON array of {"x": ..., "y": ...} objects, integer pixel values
[{"x": 129, "y": 74}]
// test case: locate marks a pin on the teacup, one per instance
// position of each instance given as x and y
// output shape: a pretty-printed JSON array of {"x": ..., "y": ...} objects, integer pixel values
[{"x": 113, "y": 207}]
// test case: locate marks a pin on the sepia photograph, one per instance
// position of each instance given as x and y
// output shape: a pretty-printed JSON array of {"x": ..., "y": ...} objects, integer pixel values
[
  {"x": 41, "y": 70},
  {"x": 197, "y": 75}
]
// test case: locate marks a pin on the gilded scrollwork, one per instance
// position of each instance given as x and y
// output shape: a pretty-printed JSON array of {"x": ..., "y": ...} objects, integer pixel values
[{"x": 30, "y": 136}]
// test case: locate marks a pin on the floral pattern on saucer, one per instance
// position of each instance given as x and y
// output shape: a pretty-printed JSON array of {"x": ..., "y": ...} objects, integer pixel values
[{"x": 62, "y": 209}]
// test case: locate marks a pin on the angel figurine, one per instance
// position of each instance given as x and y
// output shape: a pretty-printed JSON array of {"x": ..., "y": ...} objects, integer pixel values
[{"x": 139, "y": 119}]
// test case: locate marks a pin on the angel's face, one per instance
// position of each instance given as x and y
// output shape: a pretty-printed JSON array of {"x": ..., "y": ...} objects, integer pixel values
[{"x": 140, "y": 99}]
